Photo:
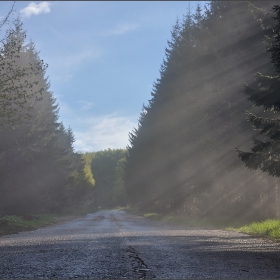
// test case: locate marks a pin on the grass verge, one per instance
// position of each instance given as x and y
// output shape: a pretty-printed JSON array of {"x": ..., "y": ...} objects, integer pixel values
[
  {"x": 269, "y": 229},
  {"x": 15, "y": 224},
  {"x": 203, "y": 223}
]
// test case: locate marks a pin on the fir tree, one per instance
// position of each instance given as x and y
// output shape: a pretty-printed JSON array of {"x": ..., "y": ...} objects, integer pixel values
[
  {"x": 16, "y": 87},
  {"x": 39, "y": 170},
  {"x": 264, "y": 154}
]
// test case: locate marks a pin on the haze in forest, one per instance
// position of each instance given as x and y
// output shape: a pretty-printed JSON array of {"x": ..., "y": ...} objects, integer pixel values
[{"x": 205, "y": 144}]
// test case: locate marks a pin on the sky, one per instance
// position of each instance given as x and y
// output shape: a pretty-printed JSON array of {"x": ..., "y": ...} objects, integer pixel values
[{"x": 103, "y": 58}]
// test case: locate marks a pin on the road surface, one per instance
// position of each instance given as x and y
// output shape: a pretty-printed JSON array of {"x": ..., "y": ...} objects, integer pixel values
[{"x": 114, "y": 244}]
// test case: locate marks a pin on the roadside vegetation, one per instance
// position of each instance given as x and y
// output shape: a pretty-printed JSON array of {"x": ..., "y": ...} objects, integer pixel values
[
  {"x": 14, "y": 224},
  {"x": 269, "y": 229},
  {"x": 216, "y": 223},
  {"x": 11, "y": 224},
  {"x": 213, "y": 223}
]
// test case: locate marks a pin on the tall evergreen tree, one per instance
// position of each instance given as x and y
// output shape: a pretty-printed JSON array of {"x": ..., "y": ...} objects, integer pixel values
[
  {"x": 16, "y": 89},
  {"x": 39, "y": 170},
  {"x": 265, "y": 154}
]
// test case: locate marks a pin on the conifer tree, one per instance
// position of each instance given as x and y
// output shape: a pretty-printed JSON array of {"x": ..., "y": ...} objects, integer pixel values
[
  {"x": 265, "y": 154},
  {"x": 39, "y": 170},
  {"x": 16, "y": 89}
]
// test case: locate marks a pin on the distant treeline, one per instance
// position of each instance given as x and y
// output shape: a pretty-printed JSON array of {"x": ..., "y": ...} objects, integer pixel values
[
  {"x": 182, "y": 158},
  {"x": 107, "y": 169}
]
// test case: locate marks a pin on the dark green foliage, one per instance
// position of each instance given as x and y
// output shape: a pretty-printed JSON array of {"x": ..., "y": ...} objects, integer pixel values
[
  {"x": 181, "y": 157},
  {"x": 107, "y": 170},
  {"x": 274, "y": 49},
  {"x": 265, "y": 154},
  {"x": 120, "y": 197}
]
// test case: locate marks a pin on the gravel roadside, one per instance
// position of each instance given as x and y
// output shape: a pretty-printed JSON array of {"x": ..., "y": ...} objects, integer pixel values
[{"x": 114, "y": 244}]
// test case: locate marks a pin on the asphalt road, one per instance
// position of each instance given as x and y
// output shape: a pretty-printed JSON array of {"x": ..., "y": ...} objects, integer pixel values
[{"x": 114, "y": 244}]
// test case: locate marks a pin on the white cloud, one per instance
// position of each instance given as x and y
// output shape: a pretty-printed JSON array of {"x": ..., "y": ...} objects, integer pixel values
[
  {"x": 109, "y": 131},
  {"x": 36, "y": 9},
  {"x": 66, "y": 77},
  {"x": 124, "y": 28},
  {"x": 120, "y": 29},
  {"x": 86, "y": 105},
  {"x": 63, "y": 66},
  {"x": 76, "y": 58}
]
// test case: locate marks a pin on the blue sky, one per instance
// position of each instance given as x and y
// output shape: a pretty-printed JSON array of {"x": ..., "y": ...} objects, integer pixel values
[{"x": 103, "y": 57}]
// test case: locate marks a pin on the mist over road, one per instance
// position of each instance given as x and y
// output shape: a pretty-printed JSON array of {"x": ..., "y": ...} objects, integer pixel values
[{"x": 114, "y": 244}]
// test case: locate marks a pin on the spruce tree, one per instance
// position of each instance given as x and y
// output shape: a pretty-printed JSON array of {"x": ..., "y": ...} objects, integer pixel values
[
  {"x": 265, "y": 154},
  {"x": 39, "y": 170},
  {"x": 16, "y": 87}
]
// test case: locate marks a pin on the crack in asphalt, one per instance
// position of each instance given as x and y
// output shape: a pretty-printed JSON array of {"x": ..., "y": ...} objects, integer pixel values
[{"x": 141, "y": 270}]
